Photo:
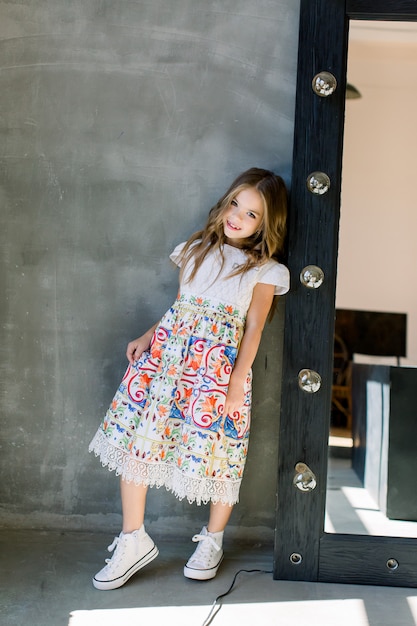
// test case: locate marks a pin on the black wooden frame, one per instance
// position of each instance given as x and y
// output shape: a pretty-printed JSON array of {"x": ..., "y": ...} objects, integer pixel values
[{"x": 309, "y": 316}]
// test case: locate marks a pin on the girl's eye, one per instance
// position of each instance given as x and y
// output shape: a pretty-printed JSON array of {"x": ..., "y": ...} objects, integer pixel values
[
  {"x": 252, "y": 215},
  {"x": 233, "y": 203}
]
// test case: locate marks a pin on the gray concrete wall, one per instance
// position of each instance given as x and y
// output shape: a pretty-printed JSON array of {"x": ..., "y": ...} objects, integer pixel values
[{"x": 121, "y": 123}]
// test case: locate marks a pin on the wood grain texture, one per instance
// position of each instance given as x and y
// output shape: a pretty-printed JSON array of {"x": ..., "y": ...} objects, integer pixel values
[
  {"x": 358, "y": 559},
  {"x": 381, "y": 9},
  {"x": 309, "y": 317},
  {"x": 312, "y": 239}
]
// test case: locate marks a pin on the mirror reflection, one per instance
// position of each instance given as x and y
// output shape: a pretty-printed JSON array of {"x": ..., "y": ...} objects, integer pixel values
[{"x": 373, "y": 433}]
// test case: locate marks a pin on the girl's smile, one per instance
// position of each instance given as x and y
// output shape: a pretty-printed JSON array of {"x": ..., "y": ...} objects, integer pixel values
[
  {"x": 230, "y": 225},
  {"x": 244, "y": 215},
  {"x": 247, "y": 226}
]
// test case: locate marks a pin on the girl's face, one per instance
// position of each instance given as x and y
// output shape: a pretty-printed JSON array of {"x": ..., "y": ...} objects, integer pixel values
[{"x": 244, "y": 215}]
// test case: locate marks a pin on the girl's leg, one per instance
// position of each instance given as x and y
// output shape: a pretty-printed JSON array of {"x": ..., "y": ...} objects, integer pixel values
[
  {"x": 133, "y": 505},
  {"x": 219, "y": 517}
]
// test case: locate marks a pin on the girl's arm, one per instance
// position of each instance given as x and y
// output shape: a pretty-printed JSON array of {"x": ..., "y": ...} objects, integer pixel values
[
  {"x": 136, "y": 347},
  {"x": 262, "y": 298}
]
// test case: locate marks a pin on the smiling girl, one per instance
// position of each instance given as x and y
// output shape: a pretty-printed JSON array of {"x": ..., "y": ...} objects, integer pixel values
[{"x": 181, "y": 416}]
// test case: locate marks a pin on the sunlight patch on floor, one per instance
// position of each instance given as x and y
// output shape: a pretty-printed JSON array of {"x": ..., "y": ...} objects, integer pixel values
[
  {"x": 351, "y": 509},
  {"x": 313, "y": 613},
  {"x": 412, "y": 604}
]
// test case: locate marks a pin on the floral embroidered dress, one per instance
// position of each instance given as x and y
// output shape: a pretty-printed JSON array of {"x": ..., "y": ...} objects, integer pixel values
[{"x": 165, "y": 426}]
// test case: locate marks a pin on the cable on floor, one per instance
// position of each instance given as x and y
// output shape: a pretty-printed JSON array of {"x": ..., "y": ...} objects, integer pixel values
[{"x": 217, "y": 605}]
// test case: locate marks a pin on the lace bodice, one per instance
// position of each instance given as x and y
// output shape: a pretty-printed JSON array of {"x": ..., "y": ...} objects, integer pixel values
[{"x": 214, "y": 282}]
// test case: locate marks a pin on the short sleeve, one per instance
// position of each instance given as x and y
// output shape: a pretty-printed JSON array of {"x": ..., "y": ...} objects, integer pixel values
[
  {"x": 175, "y": 255},
  {"x": 273, "y": 273}
]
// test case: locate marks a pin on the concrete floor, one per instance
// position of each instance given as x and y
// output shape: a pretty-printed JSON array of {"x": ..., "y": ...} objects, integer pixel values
[{"x": 45, "y": 580}]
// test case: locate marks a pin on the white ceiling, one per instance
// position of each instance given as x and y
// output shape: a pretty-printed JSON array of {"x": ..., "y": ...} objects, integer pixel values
[{"x": 366, "y": 30}]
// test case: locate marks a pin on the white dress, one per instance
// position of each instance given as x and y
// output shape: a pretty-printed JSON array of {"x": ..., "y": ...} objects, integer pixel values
[{"x": 165, "y": 426}]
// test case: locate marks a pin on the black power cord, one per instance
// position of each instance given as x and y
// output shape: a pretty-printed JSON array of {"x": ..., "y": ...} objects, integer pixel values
[{"x": 217, "y": 605}]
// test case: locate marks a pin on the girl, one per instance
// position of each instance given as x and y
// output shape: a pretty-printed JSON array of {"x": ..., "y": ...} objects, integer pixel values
[{"x": 181, "y": 415}]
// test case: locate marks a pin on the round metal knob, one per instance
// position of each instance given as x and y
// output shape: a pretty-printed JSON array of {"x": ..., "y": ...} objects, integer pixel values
[{"x": 304, "y": 478}]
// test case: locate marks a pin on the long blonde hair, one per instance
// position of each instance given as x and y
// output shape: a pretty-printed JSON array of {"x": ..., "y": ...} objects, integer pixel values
[{"x": 267, "y": 243}]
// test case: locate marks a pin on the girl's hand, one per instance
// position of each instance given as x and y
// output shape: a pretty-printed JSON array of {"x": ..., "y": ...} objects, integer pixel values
[
  {"x": 235, "y": 396},
  {"x": 136, "y": 347}
]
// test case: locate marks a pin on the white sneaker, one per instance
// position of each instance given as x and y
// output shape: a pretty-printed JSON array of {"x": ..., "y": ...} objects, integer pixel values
[
  {"x": 133, "y": 551},
  {"x": 208, "y": 555}
]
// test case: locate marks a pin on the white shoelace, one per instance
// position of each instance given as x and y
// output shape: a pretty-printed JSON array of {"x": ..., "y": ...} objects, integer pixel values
[
  {"x": 205, "y": 547},
  {"x": 113, "y": 546}
]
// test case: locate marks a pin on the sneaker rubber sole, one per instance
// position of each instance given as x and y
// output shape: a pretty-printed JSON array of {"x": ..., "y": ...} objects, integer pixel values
[
  {"x": 115, "y": 583},
  {"x": 202, "y": 574}
]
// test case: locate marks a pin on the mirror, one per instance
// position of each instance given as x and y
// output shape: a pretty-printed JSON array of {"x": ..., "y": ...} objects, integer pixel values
[
  {"x": 313, "y": 237},
  {"x": 376, "y": 263}
]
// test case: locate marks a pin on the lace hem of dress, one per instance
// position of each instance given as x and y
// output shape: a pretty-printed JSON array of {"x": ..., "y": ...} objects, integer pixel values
[{"x": 198, "y": 490}]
